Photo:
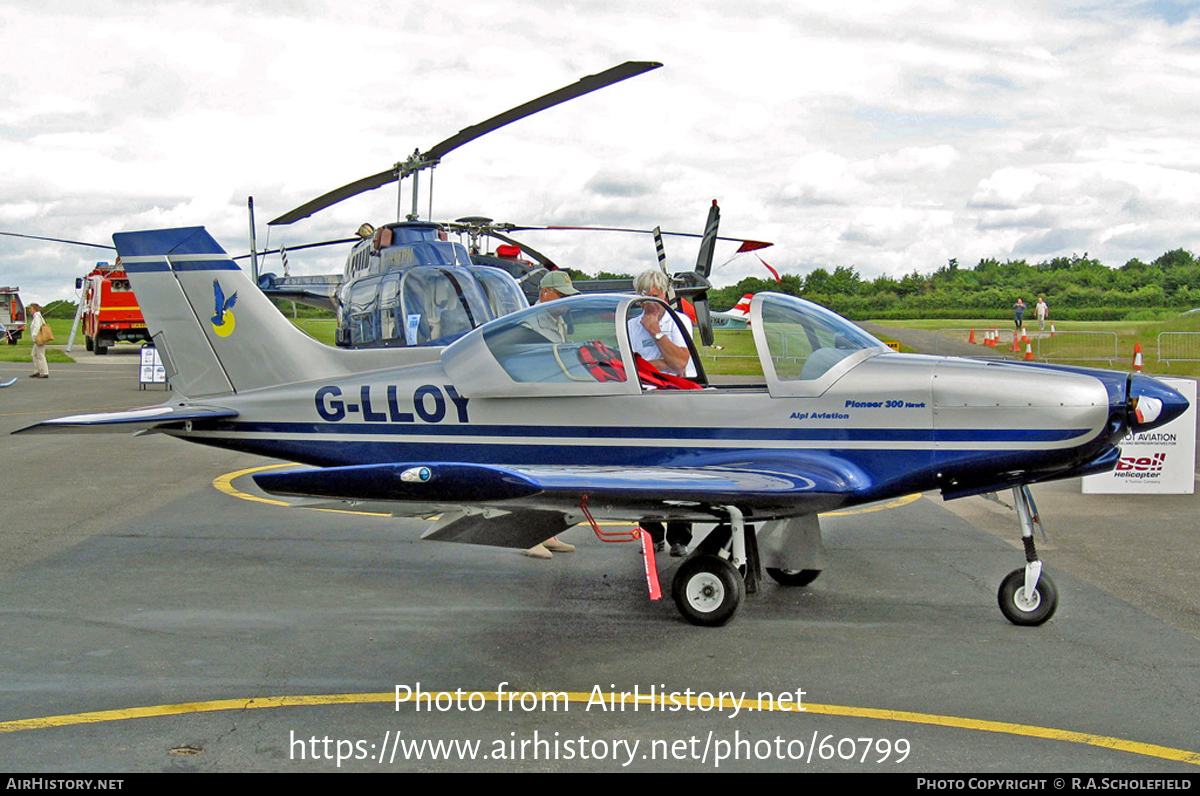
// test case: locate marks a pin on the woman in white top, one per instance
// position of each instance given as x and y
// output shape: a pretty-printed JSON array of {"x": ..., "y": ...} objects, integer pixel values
[{"x": 40, "y": 369}]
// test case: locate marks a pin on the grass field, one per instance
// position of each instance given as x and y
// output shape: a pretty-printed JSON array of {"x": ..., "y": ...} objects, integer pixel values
[
  {"x": 22, "y": 351},
  {"x": 734, "y": 352},
  {"x": 1128, "y": 333}
]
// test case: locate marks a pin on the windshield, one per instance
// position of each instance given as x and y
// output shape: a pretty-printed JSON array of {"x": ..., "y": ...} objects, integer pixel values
[{"x": 805, "y": 341}]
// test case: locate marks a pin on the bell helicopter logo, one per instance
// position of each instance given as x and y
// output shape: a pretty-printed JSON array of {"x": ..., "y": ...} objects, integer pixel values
[
  {"x": 223, "y": 321},
  {"x": 1142, "y": 463}
]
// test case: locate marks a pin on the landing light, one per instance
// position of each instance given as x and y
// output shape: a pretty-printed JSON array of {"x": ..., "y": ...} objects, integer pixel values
[{"x": 416, "y": 475}]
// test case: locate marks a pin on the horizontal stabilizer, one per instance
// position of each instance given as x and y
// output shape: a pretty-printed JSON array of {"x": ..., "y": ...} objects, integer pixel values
[{"x": 128, "y": 420}]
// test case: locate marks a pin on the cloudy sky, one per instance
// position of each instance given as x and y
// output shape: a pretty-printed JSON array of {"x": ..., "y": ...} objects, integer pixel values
[{"x": 889, "y": 136}]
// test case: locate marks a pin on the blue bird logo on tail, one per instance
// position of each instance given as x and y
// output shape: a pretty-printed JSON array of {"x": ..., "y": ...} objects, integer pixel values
[{"x": 223, "y": 321}]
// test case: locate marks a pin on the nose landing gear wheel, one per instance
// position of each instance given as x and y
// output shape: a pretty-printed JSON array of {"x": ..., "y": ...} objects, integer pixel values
[
  {"x": 1022, "y": 609},
  {"x": 707, "y": 590}
]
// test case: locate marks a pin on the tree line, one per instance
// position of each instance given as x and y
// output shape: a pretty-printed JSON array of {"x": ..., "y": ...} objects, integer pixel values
[{"x": 1075, "y": 287}]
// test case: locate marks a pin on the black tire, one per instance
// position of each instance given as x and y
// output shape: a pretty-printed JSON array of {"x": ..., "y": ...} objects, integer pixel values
[
  {"x": 793, "y": 577},
  {"x": 1026, "y": 612},
  {"x": 88, "y": 341},
  {"x": 99, "y": 348},
  {"x": 707, "y": 590}
]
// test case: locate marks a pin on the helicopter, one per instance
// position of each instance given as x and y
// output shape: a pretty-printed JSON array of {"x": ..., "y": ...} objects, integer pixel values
[{"x": 406, "y": 283}]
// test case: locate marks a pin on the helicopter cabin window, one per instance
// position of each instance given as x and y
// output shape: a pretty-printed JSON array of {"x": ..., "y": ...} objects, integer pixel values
[
  {"x": 806, "y": 341},
  {"x": 439, "y": 305},
  {"x": 503, "y": 294},
  {"x": 569, "y": 340},
  {"x": 390, "y": 327},
  {"x": 364, "y": 312}
]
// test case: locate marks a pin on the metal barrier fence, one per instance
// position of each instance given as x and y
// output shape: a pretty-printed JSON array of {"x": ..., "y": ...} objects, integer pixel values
[
  {"x": 1044, "y": 346},
  {"x": 1078, "y": 347},
  {"x": 1178, "y": 347}
]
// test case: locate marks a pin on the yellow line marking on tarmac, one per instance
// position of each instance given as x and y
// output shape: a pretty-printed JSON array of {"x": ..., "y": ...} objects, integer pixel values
[
  {"x": 224, "y": 483},
  {"x": 891, "y": 504},
  {"x": 903, "y": 716}
]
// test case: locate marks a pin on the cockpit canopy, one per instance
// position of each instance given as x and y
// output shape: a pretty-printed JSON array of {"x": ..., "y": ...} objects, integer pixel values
[
  {"x": 581, "y": 346},
  {"x": 804, "y": 347}
]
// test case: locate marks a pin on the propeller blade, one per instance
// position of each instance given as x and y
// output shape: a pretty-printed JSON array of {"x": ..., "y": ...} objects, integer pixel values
[
  {"x": 57, "y": 240},
  {"x": 704, "y": 319},
  {"x": 709, "y": 241},
  {"x": 420, "y": 160},
  {"x": 703, "y": 269},
  {"x": 660, "y": 251}
]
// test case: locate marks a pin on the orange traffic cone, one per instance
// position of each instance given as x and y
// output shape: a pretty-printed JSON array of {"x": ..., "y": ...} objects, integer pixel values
[
  {"x": 1051, "y": 330},
  {"x": 1024, "y": 334},
  {"x": 971, "y": 339},
  {"x": 1137, "y": 356},
  {"x": 1028, "y": 351}
]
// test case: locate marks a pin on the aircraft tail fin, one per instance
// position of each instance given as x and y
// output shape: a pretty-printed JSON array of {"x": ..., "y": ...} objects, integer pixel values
[
  {"x": 743, "y": 306},
  {"x": 215, "y": 330}
]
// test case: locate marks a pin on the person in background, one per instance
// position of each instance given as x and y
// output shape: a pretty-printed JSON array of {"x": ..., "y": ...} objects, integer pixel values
[
  {"x": 1043, "y": 311},
  {"x": 36, "y": 324},
  {"x": 554, "y": 285}
]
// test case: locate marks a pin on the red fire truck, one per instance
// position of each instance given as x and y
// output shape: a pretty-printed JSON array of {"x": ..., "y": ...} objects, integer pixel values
[{"x": 110, "y": 309}]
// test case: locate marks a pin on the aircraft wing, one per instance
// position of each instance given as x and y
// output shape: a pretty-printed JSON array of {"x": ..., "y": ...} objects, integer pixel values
[
  {"x": 510, "y": 505},
  {"x": 147, "y": 418}
]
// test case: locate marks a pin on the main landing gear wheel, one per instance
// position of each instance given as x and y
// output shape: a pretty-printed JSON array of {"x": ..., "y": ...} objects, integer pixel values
[
  {"x": 793, "y": 577},
  {"x": 1021, "y": 609},
  {"x": 707, "y": 590}
]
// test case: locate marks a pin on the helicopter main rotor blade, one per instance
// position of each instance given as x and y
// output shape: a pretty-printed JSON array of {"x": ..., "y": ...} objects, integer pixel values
[
  {"x": 534, "y": 253},
  {"x": 431, "y": 157},
  {"x": 263, "y": 252},
  {"x": 58, "y": 240},
  {"x": 750, "y": 245},
  {"x": 583, "y": 86},
  {"x": 333, "y": 197}
]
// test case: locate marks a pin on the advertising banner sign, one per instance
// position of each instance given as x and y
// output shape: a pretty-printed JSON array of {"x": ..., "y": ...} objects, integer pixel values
[{"x": 1162, "y": 461}]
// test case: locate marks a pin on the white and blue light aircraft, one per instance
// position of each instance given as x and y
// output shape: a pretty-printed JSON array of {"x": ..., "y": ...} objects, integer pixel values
[{"x": 544, "y": 418}]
